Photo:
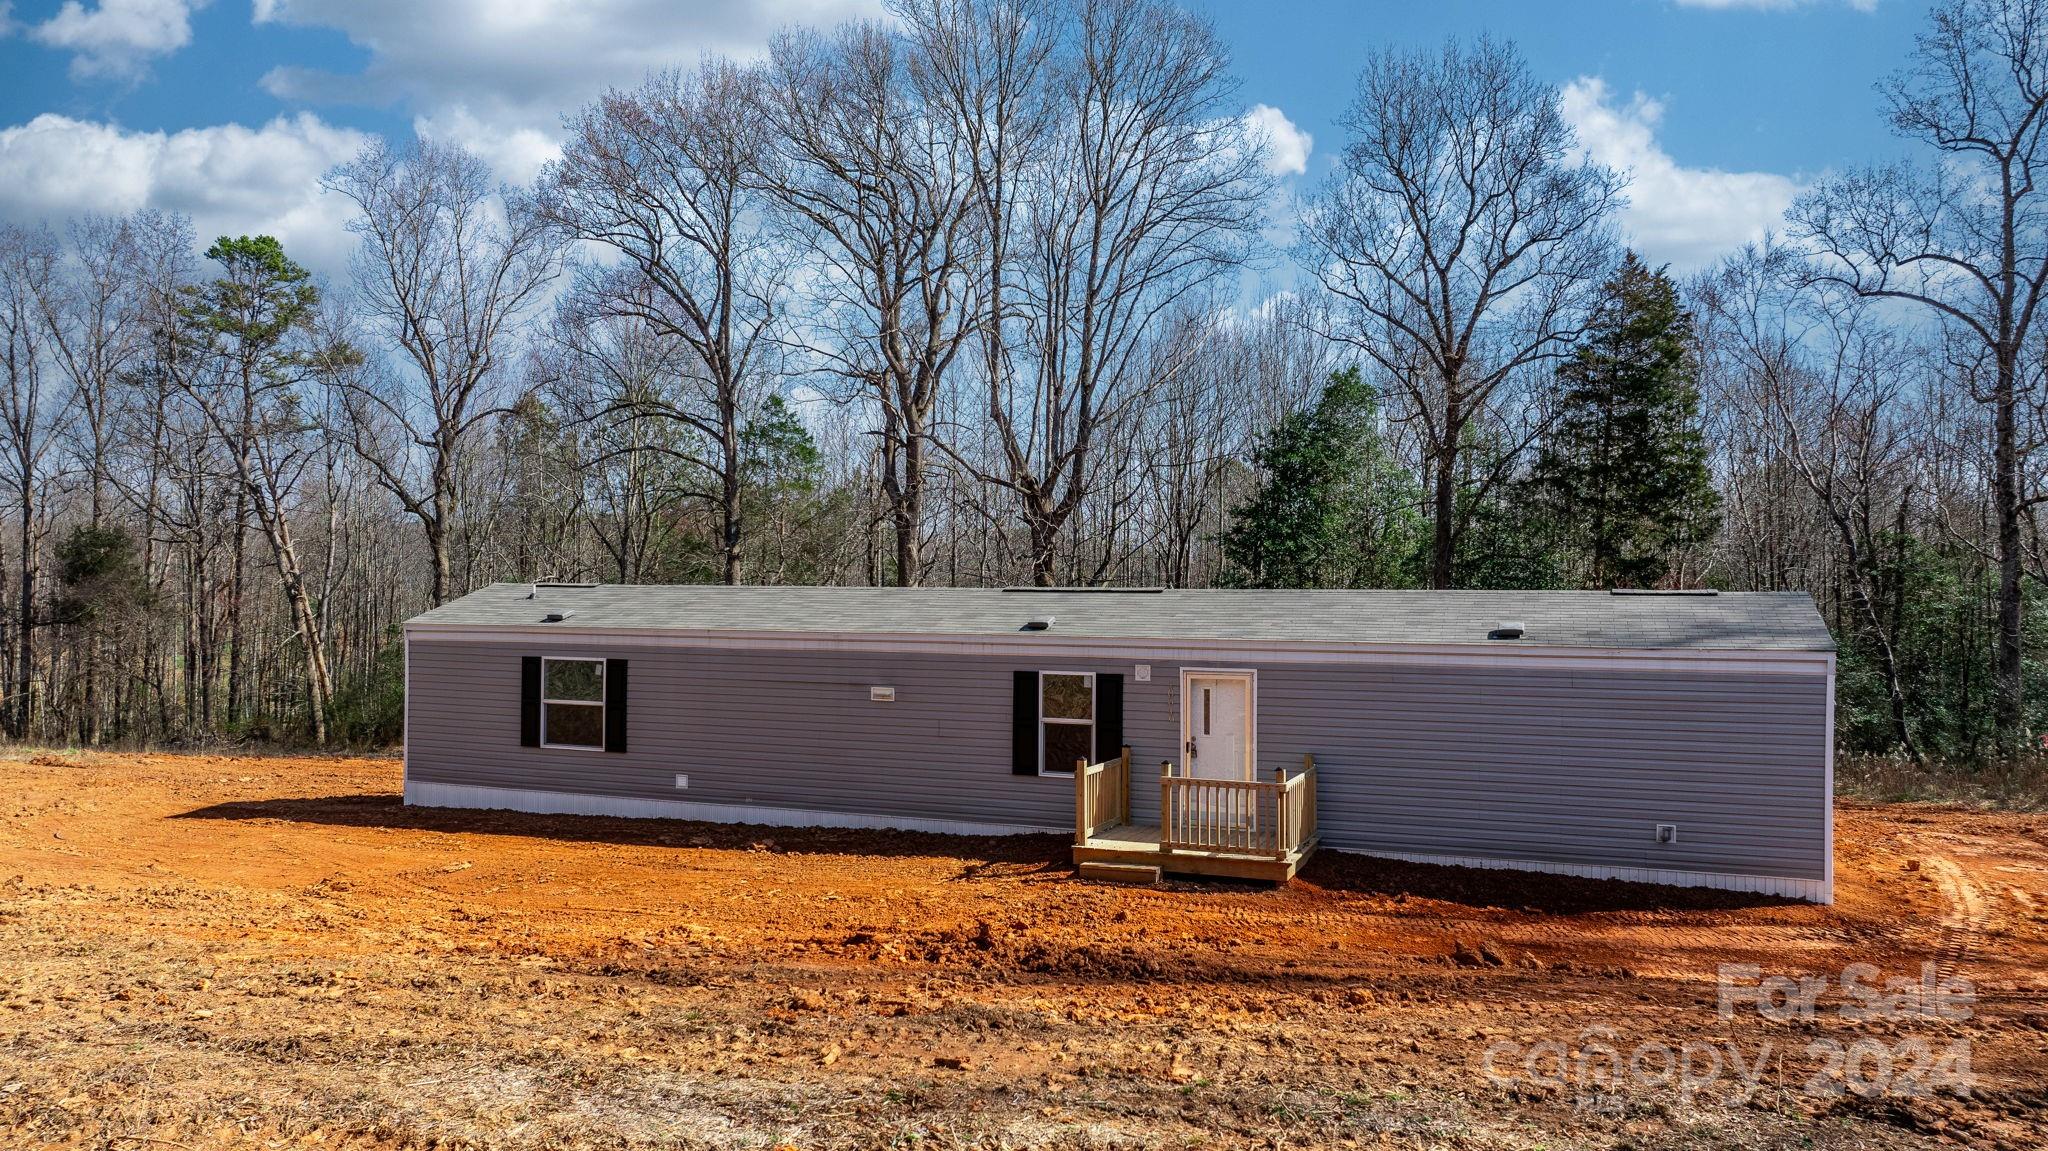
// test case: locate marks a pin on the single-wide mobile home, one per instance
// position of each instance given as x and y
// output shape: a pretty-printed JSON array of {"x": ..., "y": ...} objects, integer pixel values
[{"x": 1677, "y": 738}]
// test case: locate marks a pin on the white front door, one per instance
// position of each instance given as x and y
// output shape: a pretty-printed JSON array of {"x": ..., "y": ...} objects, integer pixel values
[{"x": 1216, "y": 717}]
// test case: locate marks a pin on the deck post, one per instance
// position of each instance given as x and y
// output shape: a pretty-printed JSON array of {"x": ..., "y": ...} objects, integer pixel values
[
  {"x": 1308, "y": 794},
  {"x": 1280, "y": 814},
  {"x": 1165, "y": 807},
  {"x": 1123, "y": 814},
  {"x": 1081, "y": 813}
]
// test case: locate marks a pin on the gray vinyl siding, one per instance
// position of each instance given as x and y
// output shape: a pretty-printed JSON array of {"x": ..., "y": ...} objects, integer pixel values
[
  {"x": 1571, "y": 766},
  {"x": 792, "y": 730},
  {"x": 1562, "y": 766}
]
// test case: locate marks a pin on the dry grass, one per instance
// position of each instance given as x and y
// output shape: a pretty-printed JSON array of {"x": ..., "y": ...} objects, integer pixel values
[{"x": 2016, "y": 785}]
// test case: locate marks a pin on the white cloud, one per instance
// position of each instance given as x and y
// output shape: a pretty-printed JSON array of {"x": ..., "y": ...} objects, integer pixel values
[
  {"x": 515, "y": 154},
  {"x": 232, "y": 180},
  {"x": 1773, "y": 5},
  {"x": 497, "y": 76},
  {"x": 1685, "y": 216},
  {"x": 117, "y": 39},
  {"x": 1287, "y": 147},
  {"x": 494, "y": 76}
]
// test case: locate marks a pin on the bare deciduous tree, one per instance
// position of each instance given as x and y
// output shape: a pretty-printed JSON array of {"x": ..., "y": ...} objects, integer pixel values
[
  {"x": 668, "y": 176},
  {"x": 1966, "y": 236},
  {"x": 961, "y": 297},
  {"x": 1144, "y": 186},
  {"x": 91, "y": 315},
  {"x": 878, "y": 181},
  {"x": 450, "y": 263},
  {"x": 1466, "y": 233},
  {"x": 30, "y": 410},
  {"x": 649, "y": 424},
  {"x": 1826, "y": 383}
]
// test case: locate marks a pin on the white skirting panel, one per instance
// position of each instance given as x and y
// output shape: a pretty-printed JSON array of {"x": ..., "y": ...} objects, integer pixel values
[
  {"x": 422, "y": 794},
  {"x": 1811, "y": 890}
]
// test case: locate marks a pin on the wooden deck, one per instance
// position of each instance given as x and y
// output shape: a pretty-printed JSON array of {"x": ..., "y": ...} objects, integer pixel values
[
  {"x": 1260, "y": 830},
  {"x": 1137, "y": 846}
]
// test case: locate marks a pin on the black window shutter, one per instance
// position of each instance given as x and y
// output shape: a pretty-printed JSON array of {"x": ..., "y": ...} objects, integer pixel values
[
  {"x": 529, "y": 701},
  {"x": 1024, "y": 724},
  {"x": 615, "y": 705},
  {"x": 1109, "y": 717}
]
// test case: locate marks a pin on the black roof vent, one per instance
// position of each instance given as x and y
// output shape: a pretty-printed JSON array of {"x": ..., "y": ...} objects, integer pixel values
[
  {"x": 1097, "y": 589},
  {"x": 1506, "y": 629},
  {"x": 556, "y": 616},
  {"x": 557, "y": 585},
  {"x": 1662, "y": 591},
  {"x": 1038, "y": 623}
]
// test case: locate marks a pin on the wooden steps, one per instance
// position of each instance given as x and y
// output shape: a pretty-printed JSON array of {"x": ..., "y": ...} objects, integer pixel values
[
  {"x": 1138, "y": 847},
  {"x": 1229, "y": 828},
  {"x": 1120, "y": 873}
]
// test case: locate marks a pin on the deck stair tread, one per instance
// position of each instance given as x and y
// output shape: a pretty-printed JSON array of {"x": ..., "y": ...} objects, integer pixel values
[
  {"x": 1247, "y": 828},
  {"x": 1137, "y": 845},
  {"x": 1119, "y": 872}
]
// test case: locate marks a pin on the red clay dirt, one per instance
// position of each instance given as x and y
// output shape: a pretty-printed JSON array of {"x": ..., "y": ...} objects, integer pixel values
[{"x": 206, "y": 951}]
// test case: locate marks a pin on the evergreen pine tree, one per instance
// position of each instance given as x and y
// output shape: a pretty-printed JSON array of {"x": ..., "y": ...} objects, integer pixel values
[
  {"x": 1334, "y": 509},
  {"x": 778, "y": 454},
  {"x": 1623, "y": 474}
]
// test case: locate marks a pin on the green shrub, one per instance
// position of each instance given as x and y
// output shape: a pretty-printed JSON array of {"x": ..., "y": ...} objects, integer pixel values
[{"x": 369, "y": 707}]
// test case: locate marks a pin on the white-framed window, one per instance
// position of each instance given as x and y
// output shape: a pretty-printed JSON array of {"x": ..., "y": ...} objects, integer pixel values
[
  {"x": 572, "y": 703},
  {"x": 1066, "y": 720}
]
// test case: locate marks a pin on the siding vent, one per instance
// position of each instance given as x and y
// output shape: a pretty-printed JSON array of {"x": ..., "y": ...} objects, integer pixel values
[
  {"x": 1506, "y": 629},
  {"x": 1038, "y": 623}
]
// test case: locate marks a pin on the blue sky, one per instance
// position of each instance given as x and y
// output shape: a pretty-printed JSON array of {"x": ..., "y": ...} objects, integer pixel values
[{"x": 229, "y": 110}]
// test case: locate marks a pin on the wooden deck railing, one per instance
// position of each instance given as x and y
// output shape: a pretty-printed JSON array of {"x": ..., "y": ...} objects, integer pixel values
[
  {"x": 1102, "y": 795},
  {"x": 1298, "y": 807},
  {"x": 1248, "y": 817}
]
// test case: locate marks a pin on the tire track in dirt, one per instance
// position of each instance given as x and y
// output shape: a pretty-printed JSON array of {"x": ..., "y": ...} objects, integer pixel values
[
  {"x": 413, "y": 957},
  {"x": 1962, "y": 923}
]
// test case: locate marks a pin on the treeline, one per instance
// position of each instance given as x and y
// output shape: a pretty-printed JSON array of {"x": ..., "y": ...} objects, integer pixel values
[{"x": 966, "y": 298}]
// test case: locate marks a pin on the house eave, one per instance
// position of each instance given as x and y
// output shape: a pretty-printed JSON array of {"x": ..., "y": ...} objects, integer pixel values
[{"x": 1045, "y": 645}]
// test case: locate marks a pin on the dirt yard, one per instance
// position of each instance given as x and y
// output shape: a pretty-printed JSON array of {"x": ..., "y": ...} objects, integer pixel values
[{"x": 202, "y": 952}]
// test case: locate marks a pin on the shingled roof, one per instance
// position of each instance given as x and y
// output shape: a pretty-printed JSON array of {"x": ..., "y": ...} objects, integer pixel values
[{"x": 1729, "y": 621}]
